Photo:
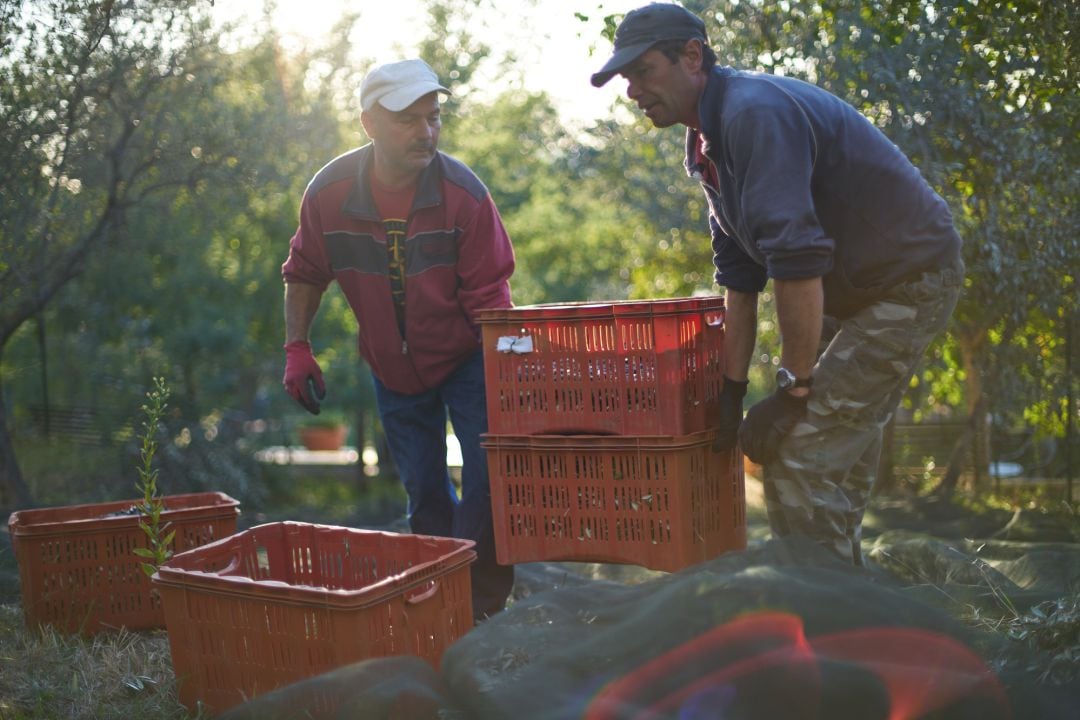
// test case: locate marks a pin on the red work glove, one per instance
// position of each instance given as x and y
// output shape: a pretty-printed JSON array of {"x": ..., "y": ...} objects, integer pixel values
[{"x": 303, "y": 378}]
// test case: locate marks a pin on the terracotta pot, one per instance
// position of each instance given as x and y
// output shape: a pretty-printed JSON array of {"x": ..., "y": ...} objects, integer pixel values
[{"x": 324, "y": 438}]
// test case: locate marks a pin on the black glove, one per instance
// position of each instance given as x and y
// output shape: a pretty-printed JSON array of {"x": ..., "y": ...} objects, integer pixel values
[
  {"x": 767, "y": 423},
  {"x": 727, "y": 427}
]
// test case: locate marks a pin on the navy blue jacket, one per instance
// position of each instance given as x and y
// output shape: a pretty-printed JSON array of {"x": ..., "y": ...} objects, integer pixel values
[{"x": 808, "y": 187}]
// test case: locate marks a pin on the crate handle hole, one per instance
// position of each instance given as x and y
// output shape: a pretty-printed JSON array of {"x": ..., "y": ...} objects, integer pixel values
[
  {"x": 262, "y": 558},
  {"x": 231, "y": 567},
  {"x": 714, "y": 319},
  {"x": 422, "y": 596}
]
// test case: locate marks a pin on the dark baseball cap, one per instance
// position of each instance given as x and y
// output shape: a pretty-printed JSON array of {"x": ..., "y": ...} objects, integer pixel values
[{"x": 644, "y": 27}]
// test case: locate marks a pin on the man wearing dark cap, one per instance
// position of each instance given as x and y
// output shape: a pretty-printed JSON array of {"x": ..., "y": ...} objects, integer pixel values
[
  {"x": 862, "y": 253},
  {"x": 417, "y": 247}
]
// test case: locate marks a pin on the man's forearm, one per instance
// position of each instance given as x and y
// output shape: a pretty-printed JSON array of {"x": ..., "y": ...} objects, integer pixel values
[
  {"x": 301, "y": 304},
  {"x": 740, "y": 332},
  {"x": 799, "y": 309}
]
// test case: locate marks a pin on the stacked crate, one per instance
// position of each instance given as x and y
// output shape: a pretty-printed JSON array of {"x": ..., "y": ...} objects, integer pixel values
[{"x": 600, "y": 441}]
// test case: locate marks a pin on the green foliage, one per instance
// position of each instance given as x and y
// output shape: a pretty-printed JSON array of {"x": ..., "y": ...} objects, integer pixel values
[
  {"x": 87, "y": 106},
  {"x": 59, "y": 472},
  {"x": 452, "y": 49},
  {"x": 657, "y": 212},
  {"x": 201, "y": 291},
  {"x": 170, "y": 257},
  {"x": 982, "y": 97},
  {"x": 159, "y": 537},
  {"x": 108, "y": 110}
]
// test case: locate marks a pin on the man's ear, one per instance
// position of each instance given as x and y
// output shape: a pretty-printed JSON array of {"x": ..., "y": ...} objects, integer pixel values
[
  {"x": 368, "y": 123},
  {"x": 692, "y": 54}
]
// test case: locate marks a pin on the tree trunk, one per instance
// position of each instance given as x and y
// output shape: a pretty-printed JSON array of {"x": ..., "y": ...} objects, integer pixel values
[
  {"x": 1070, "y": 406},
  {"x": 961, "y": 451},
  {"x": 13, "y": 490},
  {"x": 43, "y": 351},
  {"x": 976, "y": 433},
  {"x": 979, "y": 425}
]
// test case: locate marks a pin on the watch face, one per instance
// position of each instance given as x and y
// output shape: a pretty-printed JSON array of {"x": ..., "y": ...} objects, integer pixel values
[{"x": 785, "y": 378}]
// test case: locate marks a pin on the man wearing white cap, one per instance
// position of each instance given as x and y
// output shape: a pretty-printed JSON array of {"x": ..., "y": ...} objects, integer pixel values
[{"x": 416, "y": 245}]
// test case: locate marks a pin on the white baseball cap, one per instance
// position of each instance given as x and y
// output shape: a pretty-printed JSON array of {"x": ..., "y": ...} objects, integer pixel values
[{"x": 398, "y": 85}]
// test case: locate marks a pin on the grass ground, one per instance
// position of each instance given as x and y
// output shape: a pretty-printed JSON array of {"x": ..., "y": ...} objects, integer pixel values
[{"x": 46, "y": 676}]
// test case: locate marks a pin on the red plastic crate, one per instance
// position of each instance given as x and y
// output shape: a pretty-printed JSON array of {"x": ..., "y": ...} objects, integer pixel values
[
  {"x": 77, "y": 567},
  {"x": 660, "y": 502},
  {"x": 651, "y": 367},
  {"x": 285, "y": 601}
]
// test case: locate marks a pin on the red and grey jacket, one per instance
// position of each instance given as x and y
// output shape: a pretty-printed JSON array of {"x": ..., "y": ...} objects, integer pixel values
[{"x": 458, "y": 260}]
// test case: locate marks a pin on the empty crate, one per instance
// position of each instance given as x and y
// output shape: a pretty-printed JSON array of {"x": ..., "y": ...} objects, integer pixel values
[
  {"x": 627, "y": 368},
  {"x": 660, "y": 502},
  {"x": 77, "y": 567},
  {"x": 286, "y": 601}
]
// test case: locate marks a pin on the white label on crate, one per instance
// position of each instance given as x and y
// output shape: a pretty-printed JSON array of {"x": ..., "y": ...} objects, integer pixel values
[{"x": 515, "y": 344}]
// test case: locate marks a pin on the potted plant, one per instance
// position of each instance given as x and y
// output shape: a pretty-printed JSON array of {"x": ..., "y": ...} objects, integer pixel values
[{"x": 325, "y": 431}]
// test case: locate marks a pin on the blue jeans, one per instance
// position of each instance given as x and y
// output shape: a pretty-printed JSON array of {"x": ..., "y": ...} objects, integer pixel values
[{"x": 415, "y": 427}]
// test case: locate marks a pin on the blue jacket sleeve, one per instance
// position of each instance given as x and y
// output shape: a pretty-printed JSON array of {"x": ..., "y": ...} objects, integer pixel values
[
  {"x": 734, "y": 268},
  {"x": 772, "y": 149}
]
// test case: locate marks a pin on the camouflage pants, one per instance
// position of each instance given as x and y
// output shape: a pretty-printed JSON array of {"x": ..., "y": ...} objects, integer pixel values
[{"x": 820, "y": 482}]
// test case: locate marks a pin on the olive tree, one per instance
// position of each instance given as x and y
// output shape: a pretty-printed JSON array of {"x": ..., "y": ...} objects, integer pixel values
[{"x": 90, "y": 128}]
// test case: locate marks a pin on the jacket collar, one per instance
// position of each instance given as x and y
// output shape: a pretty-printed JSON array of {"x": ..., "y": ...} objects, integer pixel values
[
  {"x": 709, "y": 108},
  {"x": 360, "y": 202}
]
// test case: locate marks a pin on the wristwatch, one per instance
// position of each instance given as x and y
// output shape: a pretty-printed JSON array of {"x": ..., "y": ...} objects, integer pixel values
[{"x": 786, "y": 380}]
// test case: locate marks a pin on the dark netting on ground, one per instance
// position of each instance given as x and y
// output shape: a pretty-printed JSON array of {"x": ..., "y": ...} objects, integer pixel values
[
  {"x": 931, "y": 629},
  {"x": 779, "y": 631},
  {"x": 990, "y": 576},
  {"x": 943, "y": 518}
]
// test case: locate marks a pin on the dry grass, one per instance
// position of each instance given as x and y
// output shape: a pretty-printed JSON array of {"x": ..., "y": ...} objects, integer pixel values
[{"x": 112, "y": 675}]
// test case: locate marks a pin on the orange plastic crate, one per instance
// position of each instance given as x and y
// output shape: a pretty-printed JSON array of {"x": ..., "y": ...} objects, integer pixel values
[
  {"x": 660, "y": 502},
  {"x": 77, "y": 567},
  {"x": 626, "y": 368},
  {"x": 285, "y": 601}
]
